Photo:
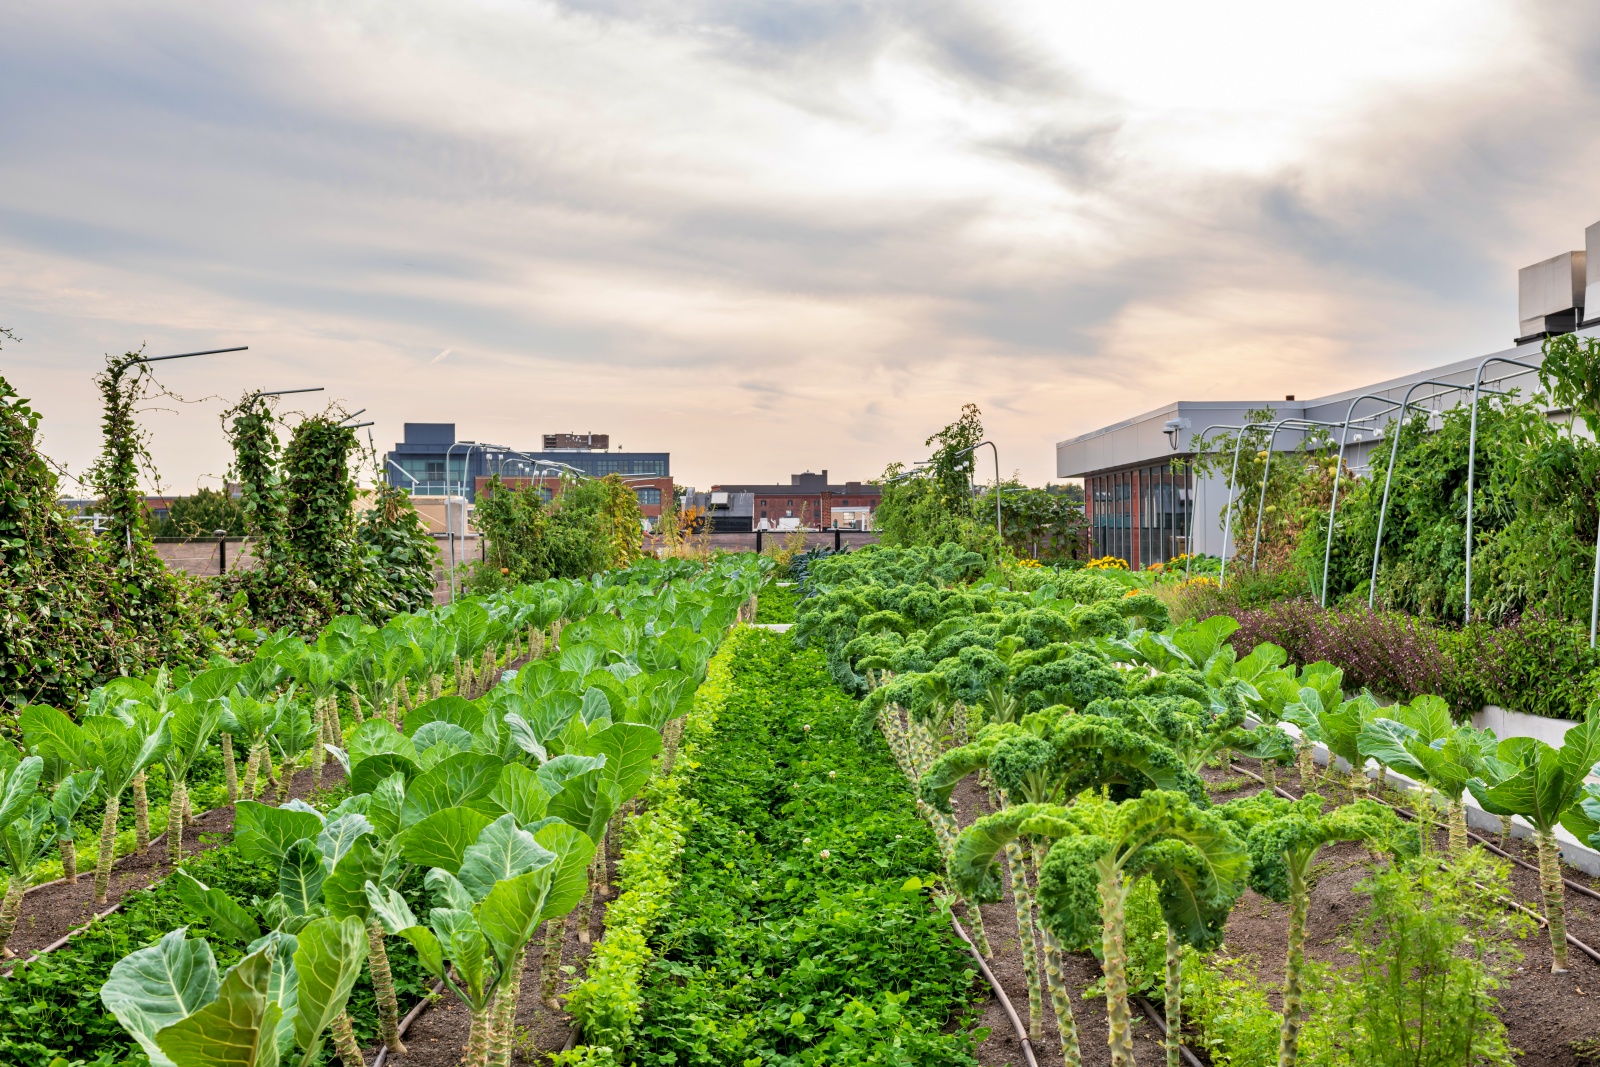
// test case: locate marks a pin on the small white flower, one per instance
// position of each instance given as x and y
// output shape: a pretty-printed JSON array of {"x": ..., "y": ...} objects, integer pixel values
[
  {"x": 807, "y": 841},
  {"x": 832, "y": 773},
  {"x": 825, "y": 853},
  {"x": 897, "y": 837},
  {"x": 806, "y": 728}
]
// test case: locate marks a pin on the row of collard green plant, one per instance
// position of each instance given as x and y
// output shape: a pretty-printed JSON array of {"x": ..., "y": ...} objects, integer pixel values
[
  {"x": 496, "y": 788},
  {"x": 1088, "y": 718}
]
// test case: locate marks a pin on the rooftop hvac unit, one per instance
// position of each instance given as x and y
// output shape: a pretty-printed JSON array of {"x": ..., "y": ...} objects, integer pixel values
[
  {"x": 719, "y": 500},
  {"x": 1550, "y": 295}
]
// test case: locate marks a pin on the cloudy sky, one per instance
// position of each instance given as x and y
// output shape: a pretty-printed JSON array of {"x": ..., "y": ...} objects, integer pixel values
[{"x": 767, "y": 235}]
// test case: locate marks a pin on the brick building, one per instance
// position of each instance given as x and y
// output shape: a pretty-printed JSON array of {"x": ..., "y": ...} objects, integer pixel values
[{"x": 809, "y": 501}]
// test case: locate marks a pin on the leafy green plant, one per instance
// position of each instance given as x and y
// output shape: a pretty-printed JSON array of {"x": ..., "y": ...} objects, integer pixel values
[
  {"x": 281, "y": 996},
  {"x": 1284, "y": 838},
  {"x": 1541, "y": 783}
]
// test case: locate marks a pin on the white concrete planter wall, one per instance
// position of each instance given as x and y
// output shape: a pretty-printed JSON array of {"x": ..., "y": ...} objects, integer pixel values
[{"x": 1575, "y": 853}]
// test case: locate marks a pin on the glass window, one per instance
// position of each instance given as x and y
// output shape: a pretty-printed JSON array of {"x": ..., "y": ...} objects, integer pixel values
[{"x": 649, "y": 495}]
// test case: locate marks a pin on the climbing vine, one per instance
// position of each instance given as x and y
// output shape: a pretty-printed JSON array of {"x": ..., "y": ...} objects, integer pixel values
[
  {"x": 623, "y": 520},
  {"x": 320, "y": 521},
  {"x": 278, "y": 589},
  {"x": 401, "y": 553}
]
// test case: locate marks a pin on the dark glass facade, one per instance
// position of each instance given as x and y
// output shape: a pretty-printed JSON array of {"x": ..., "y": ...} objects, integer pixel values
[{"x": 1140, "y": 515}]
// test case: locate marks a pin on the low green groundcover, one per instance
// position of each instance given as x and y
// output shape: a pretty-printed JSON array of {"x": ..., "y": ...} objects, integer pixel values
[{"x": 802, "y": 933}]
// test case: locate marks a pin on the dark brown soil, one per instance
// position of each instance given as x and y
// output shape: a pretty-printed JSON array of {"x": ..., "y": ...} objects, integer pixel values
[
  {"x": 50, "y": 911},
  {"x": 1080, "y": 970},
  {"x": 1543, "y": 1013}
]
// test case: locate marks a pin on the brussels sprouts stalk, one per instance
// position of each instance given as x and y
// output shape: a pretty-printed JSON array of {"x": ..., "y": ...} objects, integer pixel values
[
  {"x": 505, "y": 1014},
  {"x": 1458, "y": 826},
  {"x": 344, "y": 1042},
  {"x": 317, "y": 751},
  {"x": 69, "y": 860},
  {"x": 180, "y": 794},
  {"x": 1113, "y": 900},
  {"x": 478, "y": 1035},
  {"x": 383, "y": 987},
  {"x": 141, "y": 813},
  {"x": 1023, "y": 901},
  {"x": 1174, "y": 1006},
  {"x": 550, "y": 963},
  {"x": 1293, "y": 993},
  {"x": 230, "y": 769},
  {"x": 108, "y": 842},
  {"x": 10, "y": 909},
  {"x": 1061, "y": 1000},
  {"x": 1555, "y": 912}
]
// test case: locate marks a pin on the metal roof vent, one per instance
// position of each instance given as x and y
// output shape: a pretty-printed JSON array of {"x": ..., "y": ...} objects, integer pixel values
[{"x": 1550, "y": 296}]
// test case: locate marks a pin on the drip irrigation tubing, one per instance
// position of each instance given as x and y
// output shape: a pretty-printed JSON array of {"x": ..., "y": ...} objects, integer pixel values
[
  {"x": 1543, "y": 922},
  {"x": 999, "y": 993},
  {"x": 411, "y": 1017},
  {"x": 1161, "y": 1024}
]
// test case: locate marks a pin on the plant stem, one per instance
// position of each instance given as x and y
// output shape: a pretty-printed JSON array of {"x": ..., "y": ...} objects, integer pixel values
[
  {"x": 230, "y": 769},
  {"x": 1299, "y": 898},
  {"x": 252, "y": 771},
  {"x": 1174, "y": 998},
  {"x": 69, "y": 860},
  {"x": 383, "y": 987},
  {"x": 1555, "y": 912},
  {"x": 1023, "y": 901},
  {"x": 320, "y": 727},
  {"x": 285, "y": 780},
  {"x": 505, "y": 1013},
  {"x": 10, "y": 909},
  {"x": 478, "y": 1037},
  {"x": 1505, "y": 831},
  {"x": 180, "y": 794},
  {"x": 344, "y": 1042},
  {"x": 1113, "y": 893},
  {"x": 586, "y": 904},
  {"x": 1305, "y": 762},
  {"x": 550, "y": 963},
  {"x": 108, "y": 842},
  {"x": 1060, "y": 999},
  {"x": 1458, "y": 826},
  {"x": 141, "y": 813}
]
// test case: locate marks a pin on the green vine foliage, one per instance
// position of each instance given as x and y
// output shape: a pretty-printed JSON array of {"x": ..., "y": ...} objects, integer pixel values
[
  {"x": 76, "y": 611},
  {"x": 530, "y": 539},
  {"x": 320, "y": 523},
  {"x": 936, "y": 506},
  {"x": 278, "y": 590},
  {"x": 201, "y": 515},
  {"x": 401, "y": 553}
]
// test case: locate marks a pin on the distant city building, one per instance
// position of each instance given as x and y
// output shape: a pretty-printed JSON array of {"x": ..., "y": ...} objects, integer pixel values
[
  {"x": 432, "y": 462},
  {"x": 807, "y": 502}
]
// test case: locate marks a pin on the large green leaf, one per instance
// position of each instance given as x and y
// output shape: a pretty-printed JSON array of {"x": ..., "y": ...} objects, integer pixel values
[
  {"x": 520, "y": 793},
  {"x": 301, "y": 876},
  {"x": 629, "y": 749},
  {"x": 502, "y": 850},
  {"x": 383, "y": 809},
  {"x": 329, "y": 962},
  {"x": 283, "y": 983},
  {"x": 573, "y": 851},
  {"x": 365, "y": 776},
  {"x": 1385, "y": 740},
  {"x": 375, "y": 738},
  {"x": 237, "y": 1029},
  {"x": 586, "y": 802},
  {"x": 224, "y": 914},
  {"x": 192, "y": 728},
  {"x": 262, "y": 832},
  {"x": 555, "y": 773},
  {"x": 442, "y": 838},
  {"x": 466, "y": 947},
  {"x": 337, "y": 837},
  {"x": 511, "y": 912},
  {"x": 344, "y": 891},
  {"x": 18, "y": 786},
  {"x": 448, "y": 709},
  {"x": 460, "y": 781},
  {"x": 389, "y": 908},
  {"x": 154, "y": 987},
  {"x": 52, "y": 733},
  {"x": 69, "y": 797}
]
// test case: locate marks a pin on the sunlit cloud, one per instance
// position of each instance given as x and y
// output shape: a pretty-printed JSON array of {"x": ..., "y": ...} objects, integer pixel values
[{"x": 774, "y": 236}]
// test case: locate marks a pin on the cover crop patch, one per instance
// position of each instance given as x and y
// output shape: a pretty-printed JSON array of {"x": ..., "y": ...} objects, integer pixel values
[{"x": 802, "y": 933}]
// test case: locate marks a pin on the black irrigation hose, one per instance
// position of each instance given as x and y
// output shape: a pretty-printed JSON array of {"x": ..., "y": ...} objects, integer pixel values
[
  {"x": 1573, "y": 941},
  {"x": 1183, "y": 1050},
  {"x": 1000, "y": 994},
  {"x": 405, "y": 1024}
]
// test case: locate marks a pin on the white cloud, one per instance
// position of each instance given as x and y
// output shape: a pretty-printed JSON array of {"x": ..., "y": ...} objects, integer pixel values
[{"x": 771, "y": 236}]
